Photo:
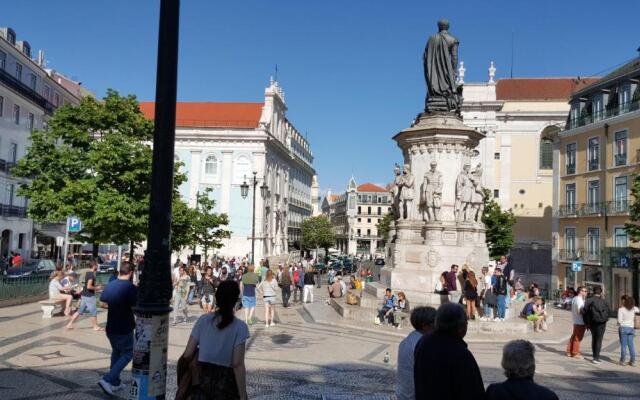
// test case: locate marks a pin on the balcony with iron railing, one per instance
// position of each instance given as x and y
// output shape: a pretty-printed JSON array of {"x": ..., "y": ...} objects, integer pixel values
[
  {"x": 569, "y": 210},
  {"x": 604, "y": 114},
  {"x": 26, "y": 91},
  {"x": 12, "y": 211},
  {"x": 618, "y": 207},
  {"x": 570, "y": 169},
  {"x": 594, "y": 164},
  {"x": 620, "y": 159},
  {"x": 6, "y": 166},
  {"x": 591, "y": 209}
]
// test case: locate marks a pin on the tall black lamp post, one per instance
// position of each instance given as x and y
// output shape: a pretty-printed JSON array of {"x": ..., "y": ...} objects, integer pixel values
[
  {"x": 149, "y": 373},
  {"x": 244, "y": 191}
]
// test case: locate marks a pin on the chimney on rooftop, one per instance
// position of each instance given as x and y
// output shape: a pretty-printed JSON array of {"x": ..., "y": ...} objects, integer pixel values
[{"x": 41, "y": 61}]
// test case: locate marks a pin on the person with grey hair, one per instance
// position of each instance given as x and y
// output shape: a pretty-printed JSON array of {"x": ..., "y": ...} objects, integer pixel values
[
  {"x": 444, "y": 366},
  {"x": 423, "y": 319},
  {"x": 519, "y": 364}
]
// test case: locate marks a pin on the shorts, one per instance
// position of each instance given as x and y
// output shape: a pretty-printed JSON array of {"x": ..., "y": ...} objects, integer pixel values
[
  {"x": 532, "y": 317},
  {"x": 271, "y": 300},
  {"x": 88, "y": 304},
  {"x": 207, "y": 299},
  {"x": 248, "y": 301}
]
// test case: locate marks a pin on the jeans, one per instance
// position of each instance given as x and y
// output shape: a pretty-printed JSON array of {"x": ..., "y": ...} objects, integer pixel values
[
  {"x": 626, "y": 335},
  {"x": 502, "y": 305},
  {"x": 180, "y": 303},
  {"x": 192, "y": 292},
  {"x": 573, "y": 347},
  {"x": 381, "y": 313},
  {"x": 487, "y": 309},
  {"x": 286, "y": 295},
  {"x": 121, "y": 355},
  {"x": 308, "y": 291},
  {"x": 597, "y": 333},
  {"x": 297, "y": 290}
]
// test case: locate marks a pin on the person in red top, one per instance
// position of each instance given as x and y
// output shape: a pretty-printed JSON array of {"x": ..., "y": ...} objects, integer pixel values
[{"x": 17, "y": 260}]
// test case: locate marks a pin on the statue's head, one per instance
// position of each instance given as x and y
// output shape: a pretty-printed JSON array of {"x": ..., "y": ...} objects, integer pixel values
[
  {"x": 466, "y": 167},
  {"x": 396, "y": 169},
  {"x": 433, "y": 164},
  {"x": 407, "y": 168},
  {"x": 443, "y": 25}
]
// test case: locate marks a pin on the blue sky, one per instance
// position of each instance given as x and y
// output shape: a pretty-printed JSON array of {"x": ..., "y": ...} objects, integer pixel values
[{"x": 351, "y": 70}]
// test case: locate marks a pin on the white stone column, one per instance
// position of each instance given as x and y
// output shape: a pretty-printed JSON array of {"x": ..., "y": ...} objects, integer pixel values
[
  {"x": 194, "y": 176},
  {"x": 260, "y": 167},
  {"x": 227, "y": 168}
]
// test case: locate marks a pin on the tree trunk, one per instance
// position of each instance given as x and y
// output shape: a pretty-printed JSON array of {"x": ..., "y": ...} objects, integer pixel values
[
  {"x": 131, "y": 250},
  {"x": 94, "y": 250}
]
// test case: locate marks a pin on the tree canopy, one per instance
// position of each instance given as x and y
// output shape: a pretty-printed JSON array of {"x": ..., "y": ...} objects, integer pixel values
[
  {"x": 633, "y": 227},
  {"x": 499, "y": 225},
  {"x": 93, "y": 161},
  {"x": 317, "y": 232},
  {"x": 384, "y": 225},
  {"x": 208, "y": 226}
]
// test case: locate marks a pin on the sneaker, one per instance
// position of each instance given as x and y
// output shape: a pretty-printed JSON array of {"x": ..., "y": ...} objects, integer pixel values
[
  {"x": 266, "y": 324},
  {"x": 622, "y": 363},
  {"x": 273, "y": 323},
  {"x": 106, "y": 387},
  {"x": 117, "y": 387},
  {"x": 632, "y": 364},
  {"x": 595, "y": 361}
]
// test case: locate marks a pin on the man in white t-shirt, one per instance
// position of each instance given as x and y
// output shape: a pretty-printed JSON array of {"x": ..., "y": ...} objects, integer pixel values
[{"x": 577, "y": 306}]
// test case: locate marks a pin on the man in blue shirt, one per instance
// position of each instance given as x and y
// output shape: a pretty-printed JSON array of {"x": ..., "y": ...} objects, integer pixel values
[
  {"x": 388, "y": 302},
  {"x": 121, "y": 296}
]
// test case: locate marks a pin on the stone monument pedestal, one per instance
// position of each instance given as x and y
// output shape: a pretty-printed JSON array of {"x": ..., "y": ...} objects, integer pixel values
[{"x": 422, "y": 247}]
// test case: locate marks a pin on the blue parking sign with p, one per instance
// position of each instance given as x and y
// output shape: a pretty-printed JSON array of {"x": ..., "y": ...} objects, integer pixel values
[{"x": 74, "y": 224}]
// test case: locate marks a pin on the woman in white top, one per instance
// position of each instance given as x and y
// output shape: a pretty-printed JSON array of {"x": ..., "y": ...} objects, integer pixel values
[
  {"x": 218, "y": 341},
  {"x": 626, "y": 315},
  {"x": 58, "y": 292},
  {"x": 269, "y": 288}
]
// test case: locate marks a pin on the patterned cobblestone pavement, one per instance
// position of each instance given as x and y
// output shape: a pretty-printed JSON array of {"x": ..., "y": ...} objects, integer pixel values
[{"x": 297, "y": 359}]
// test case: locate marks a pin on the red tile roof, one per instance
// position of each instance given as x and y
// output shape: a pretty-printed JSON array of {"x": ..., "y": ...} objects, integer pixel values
[
  {"x": 370, "y": 187},
  {"x": 334, "y": 197},
  {"x": 212, "y": 115},
  {"x": 540, "y": 88}
]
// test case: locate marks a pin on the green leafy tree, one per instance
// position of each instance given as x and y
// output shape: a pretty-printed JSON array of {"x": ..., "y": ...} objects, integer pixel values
[
  {"x": 633, "y": 227},
  {"x": 208, "y": 226},
  {"x": 317, "y": 232},
  {"x": 499, "y": 225},
  {"x": 385, "y": 225},
  {"x": 93, "y": 161}
]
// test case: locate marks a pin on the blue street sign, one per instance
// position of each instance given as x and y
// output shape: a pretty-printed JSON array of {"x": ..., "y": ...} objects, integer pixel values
[
  {"x": 576, "y": 266},
  {"x": 74, "y": 224}
]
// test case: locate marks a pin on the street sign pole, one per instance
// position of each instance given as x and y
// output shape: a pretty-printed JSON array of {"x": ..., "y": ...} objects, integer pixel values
[{"x": 66, "y": 243}]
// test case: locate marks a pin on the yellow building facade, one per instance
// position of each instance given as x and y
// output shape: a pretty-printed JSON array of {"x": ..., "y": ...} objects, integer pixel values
[{"x": 598, "y": 156}]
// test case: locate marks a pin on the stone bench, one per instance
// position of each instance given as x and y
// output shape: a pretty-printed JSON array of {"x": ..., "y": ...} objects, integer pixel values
[{"x": 49, "y": 306}]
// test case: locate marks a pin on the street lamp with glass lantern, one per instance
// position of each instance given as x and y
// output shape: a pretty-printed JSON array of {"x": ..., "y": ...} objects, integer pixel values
[{"x": 244, "y": 191}]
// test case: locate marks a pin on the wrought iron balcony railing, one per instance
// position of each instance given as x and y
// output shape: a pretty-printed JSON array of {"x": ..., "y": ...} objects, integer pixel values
[
  {"x": 603, "y": 114},
  {"x": 618, "y": 207}
]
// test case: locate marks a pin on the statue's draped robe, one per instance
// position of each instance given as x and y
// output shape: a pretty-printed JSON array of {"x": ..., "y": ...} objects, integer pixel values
[{"x": 439, "y": 68}]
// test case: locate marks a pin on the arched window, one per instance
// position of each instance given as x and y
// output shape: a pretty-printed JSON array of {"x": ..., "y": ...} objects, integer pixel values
[
  {"x": 242, "y": 169},
  {"x": 211, "y": 165},
  {"x": 546, "y": 146}
]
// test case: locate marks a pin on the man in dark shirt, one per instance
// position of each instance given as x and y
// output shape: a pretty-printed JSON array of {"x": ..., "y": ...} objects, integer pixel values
[
  {"x": 121, "y": 296},
  {"x": 444, "y": 367},
  {"x": 596, "y": 315},
  {"x": 452, "y": 284},
  {"x": 88, "y": 298}
]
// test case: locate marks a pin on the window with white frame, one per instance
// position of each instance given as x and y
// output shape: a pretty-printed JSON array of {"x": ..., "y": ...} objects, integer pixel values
[
  {"x": 211, "y": 166},
  {"x": 570, "y": 196},
  {"x": 620, "y": 194},
  {"x": 32, "y": 121},
  {"x": 47, "y": 93},
  {"x": 620, "y": 148},
  {"x": 11, "y": 36},
  {"x": 593, "y": 193},
  {"x": 18, "y": 71},
  {"x": 593, "y": 243},
  {"x": 242, "y": 171},
  {"x": 598, "y": 109},
  {"x": 56, "y": 99},
  {"x": 33, "y": 81},
  {"x": 571, "y": 158},
  {"x": 570, "y": 241},
  {"x": 13, "y": 153},
  {"x": 620, "y": 237},
  {"x": 624, "y": 97},
  {"x": 546, "y": 153},
  {"x": 16, "y": 114},
  {"x": 593, "y": 154}
]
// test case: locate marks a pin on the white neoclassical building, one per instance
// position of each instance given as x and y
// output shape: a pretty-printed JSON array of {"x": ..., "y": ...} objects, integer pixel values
[
  {"x": 222, "y": 144},
  {"x": 29, "y": 94}
]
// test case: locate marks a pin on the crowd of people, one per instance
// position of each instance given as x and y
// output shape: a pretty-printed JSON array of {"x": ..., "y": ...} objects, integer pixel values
[{"x": 433, "y": 360}]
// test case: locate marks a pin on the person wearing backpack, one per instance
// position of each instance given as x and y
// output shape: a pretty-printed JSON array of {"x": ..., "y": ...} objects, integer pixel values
[{"x": 596, "y": 315}]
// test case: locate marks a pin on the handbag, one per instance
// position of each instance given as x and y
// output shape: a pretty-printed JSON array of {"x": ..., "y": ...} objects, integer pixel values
[
  {"x": 352, "y": 299},
  {"x": 636, "y": 321}
]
